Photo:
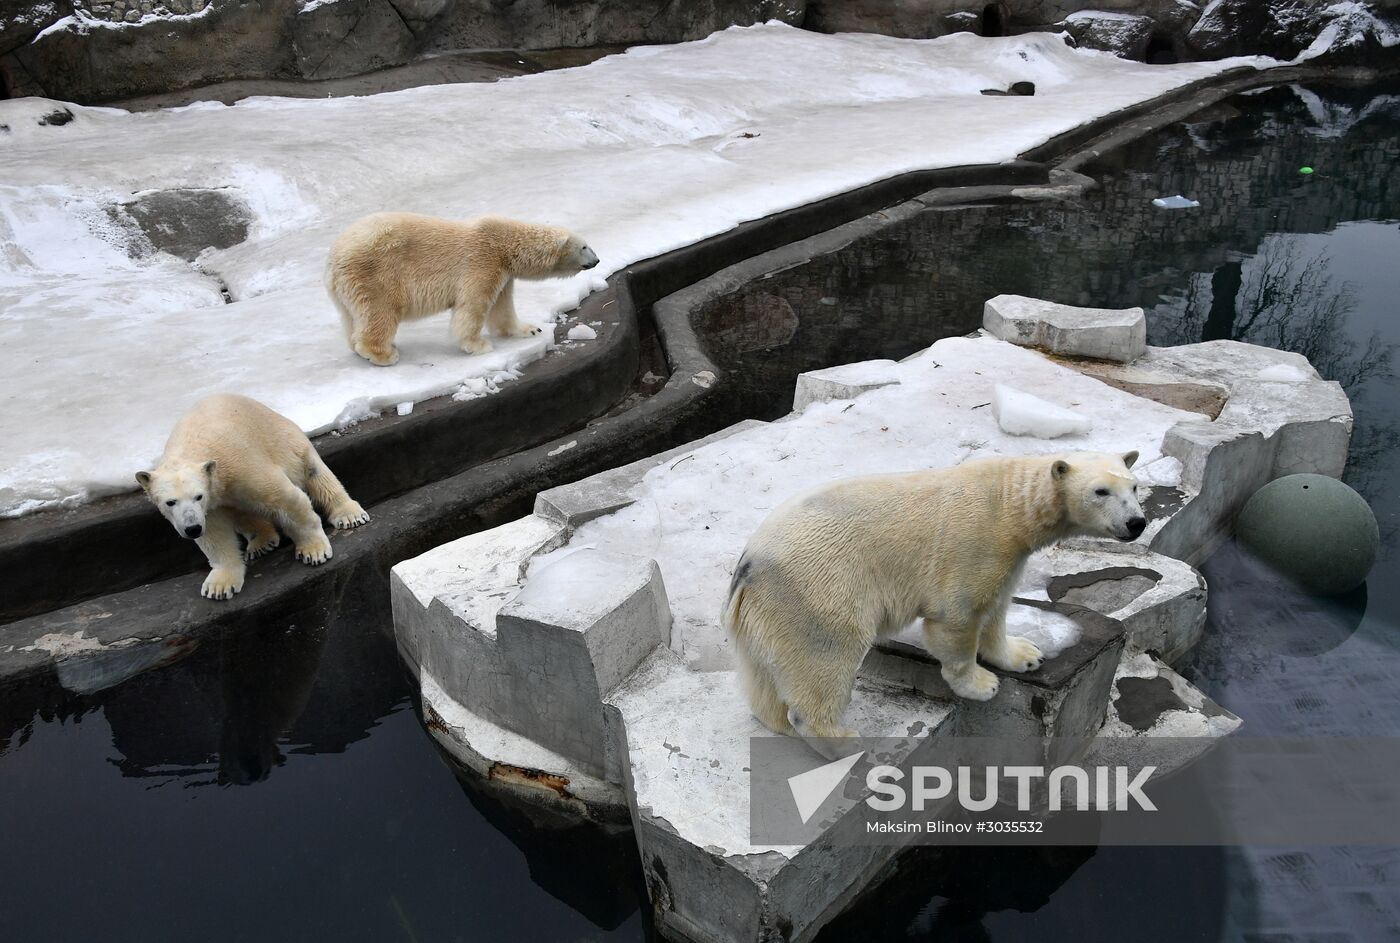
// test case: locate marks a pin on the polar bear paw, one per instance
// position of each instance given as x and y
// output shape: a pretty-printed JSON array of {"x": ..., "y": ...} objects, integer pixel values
[
  {"x": 975, "y": 684},
  {"x": 380, "y": 357},
  {"x": 521, "y": 329},
  {"x": 478, "y": 346},
  {"x": 351, "y": 515},
  {"x": 257, "y": 548},
  {"x": 221, "y": 584},
  {"x": 315, "y": 551},
  {"x": 1016, "y": 654}
]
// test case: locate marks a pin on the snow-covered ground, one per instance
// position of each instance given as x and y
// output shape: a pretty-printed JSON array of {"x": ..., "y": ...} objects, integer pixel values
[{"x": 641, "y": 153}]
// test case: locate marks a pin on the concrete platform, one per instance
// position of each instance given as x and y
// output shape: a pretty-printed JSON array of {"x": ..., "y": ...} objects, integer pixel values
[{"x": 585, "y": 639}]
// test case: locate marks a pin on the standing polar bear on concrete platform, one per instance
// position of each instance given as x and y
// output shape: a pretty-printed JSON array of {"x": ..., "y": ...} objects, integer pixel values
[
  {"x": 829, "y": 572},
  {"x": 232, "y": 466},
  {"x": 393, "y": 267}
]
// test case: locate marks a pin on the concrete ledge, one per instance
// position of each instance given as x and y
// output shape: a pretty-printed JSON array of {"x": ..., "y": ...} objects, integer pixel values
[{"x": 1099, "y": 333}]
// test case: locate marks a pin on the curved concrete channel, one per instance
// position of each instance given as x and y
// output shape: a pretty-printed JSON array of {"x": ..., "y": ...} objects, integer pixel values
[{"x": 109, "y": 575}]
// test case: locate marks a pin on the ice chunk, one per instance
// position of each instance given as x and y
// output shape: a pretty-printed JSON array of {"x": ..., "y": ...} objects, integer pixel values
[
  {"x": 1050, "y": 631},
  {"x": 582, "y": 332},
  {"x": 1165, "y": 471},
  {"x": 403, "y": 409},
  {"x": 1177, "y": 202},
  {"x": 1021, "y": 413}
]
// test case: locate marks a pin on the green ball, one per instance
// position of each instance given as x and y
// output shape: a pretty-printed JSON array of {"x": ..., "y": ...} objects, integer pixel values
[
  {"x": 1313, "y": 529},
  {"x": 1305, "y": 170}
]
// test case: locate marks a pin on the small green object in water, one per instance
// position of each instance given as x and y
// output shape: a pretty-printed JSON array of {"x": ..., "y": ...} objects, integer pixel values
[
  {"x": 1305, "y": 170},
  {"x": 1313, "y": 529}
]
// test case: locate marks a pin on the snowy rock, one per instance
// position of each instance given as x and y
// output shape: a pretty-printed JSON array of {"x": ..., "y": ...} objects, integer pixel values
[
  {"x": 1101, "y": 333},
  {"x": 21, "y": 20},
  {"x": 1021, "y": 413},
  {"x": 185, "y": 222},
  {"x": 1351, "y": 32},
  {"x": 1122, "y": 34}
]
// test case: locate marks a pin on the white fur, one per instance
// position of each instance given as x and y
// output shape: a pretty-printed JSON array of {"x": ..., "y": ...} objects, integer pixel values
[{"x": 832, "y": 570}]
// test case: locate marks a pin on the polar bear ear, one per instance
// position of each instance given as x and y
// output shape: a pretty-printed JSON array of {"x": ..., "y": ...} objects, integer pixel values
[
  {"x": 209, "y": 468},
  {"x": 143, "y": 478},
  {"x": 1129, "y": 458},
  {"x": 1060, "y": 469}
]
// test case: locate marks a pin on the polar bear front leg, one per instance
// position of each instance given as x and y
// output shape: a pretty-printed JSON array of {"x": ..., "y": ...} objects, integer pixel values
[
  {"x": 954, "y": 643},
  {"x": 474, "y": 300},
  {"x": 1009, "y": 654},
  {"x": 502, "y": 319},
  {"x": 220, "y": 545}
]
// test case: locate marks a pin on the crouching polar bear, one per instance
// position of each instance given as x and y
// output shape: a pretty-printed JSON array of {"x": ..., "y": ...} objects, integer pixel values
[
  {"x": 830, "y": 571},
  {"x": 393, "y": 267},
  {"x": 232, "y": 466}
]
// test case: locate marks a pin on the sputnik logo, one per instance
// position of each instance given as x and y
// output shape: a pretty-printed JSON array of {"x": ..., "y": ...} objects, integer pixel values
[{"x": 812, "y": 788}]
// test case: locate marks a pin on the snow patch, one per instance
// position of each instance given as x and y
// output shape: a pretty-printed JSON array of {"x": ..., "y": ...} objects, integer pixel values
[{"x": 582, "y": 332}]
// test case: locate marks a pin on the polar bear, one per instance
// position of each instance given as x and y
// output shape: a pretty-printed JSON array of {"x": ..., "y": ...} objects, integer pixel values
[
  {"x": 232, "y": 466},
  {"x": 830, "y": 571},
  {"x": 393, "y": 267}
]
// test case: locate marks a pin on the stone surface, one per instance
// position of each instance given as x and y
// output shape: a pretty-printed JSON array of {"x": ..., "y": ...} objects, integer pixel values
[
  {"x": 1100, "y": 333},
  {"x": 186, "y": 222},
  {"x": 347, "y": 37}
]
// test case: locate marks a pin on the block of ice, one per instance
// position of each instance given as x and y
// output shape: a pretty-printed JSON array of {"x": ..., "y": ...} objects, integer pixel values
[{"x": 1021, "y": 413}]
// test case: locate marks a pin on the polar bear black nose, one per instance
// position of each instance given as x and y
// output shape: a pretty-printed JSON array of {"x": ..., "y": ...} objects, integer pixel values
[
  {"x": 1136, "y": 526},
  {"x": 194, "y": 530}
]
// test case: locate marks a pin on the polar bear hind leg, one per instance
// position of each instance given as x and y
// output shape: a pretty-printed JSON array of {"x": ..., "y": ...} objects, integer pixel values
[
  {"x": 330, "y": 495},
  {"x": 259, "y": 533},
  {"x": 764, "y": 700},
  {"x": 817, "y": 692},
  {"x": 294, "y": 511}
]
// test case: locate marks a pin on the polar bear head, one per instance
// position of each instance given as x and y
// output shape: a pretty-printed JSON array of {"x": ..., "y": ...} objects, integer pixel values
[
  {"x": 182, "y": 493},
  {"x": 536, "y": 251},
  {"x": 1100, "y": 494}
]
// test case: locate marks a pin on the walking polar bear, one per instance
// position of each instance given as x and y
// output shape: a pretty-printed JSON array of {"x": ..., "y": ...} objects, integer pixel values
[
  {"x": 393, "y": 267},
  {"x": 232, "y": 466},
  {"x": 830, "y": 571}
]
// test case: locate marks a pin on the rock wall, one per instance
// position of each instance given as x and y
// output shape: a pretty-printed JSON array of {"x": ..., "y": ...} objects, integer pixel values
[{"x": 93, "y": 51}]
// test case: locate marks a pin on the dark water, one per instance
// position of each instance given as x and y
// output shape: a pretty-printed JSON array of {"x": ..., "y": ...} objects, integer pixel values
[{"x": 276, "y": 785}]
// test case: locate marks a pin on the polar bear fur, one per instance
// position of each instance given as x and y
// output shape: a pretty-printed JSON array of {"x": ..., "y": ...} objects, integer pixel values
[
  {"x": 393, "y": 267},
  {"x": 232, "y": 466},
  {"x": 830, "y": 571}
]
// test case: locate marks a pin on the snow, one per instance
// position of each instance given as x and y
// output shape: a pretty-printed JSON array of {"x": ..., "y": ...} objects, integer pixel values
[
  {"x": 641, "y": 153},
  {"x": 1349, "y": 23},
  {"x": 1019, "y": 413},
  {"x": 694, "y": 513},
  {"x": 582, "y": 332},
  {"x": 1177, "y": 202},
  {"x": 1285, "y": 373}
]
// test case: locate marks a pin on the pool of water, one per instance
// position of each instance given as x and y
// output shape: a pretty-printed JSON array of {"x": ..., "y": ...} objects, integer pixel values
[{"x": 275, "y": 784}]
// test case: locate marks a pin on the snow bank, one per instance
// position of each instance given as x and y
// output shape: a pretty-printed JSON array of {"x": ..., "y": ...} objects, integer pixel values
[{"x": 641, "y": 152}]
